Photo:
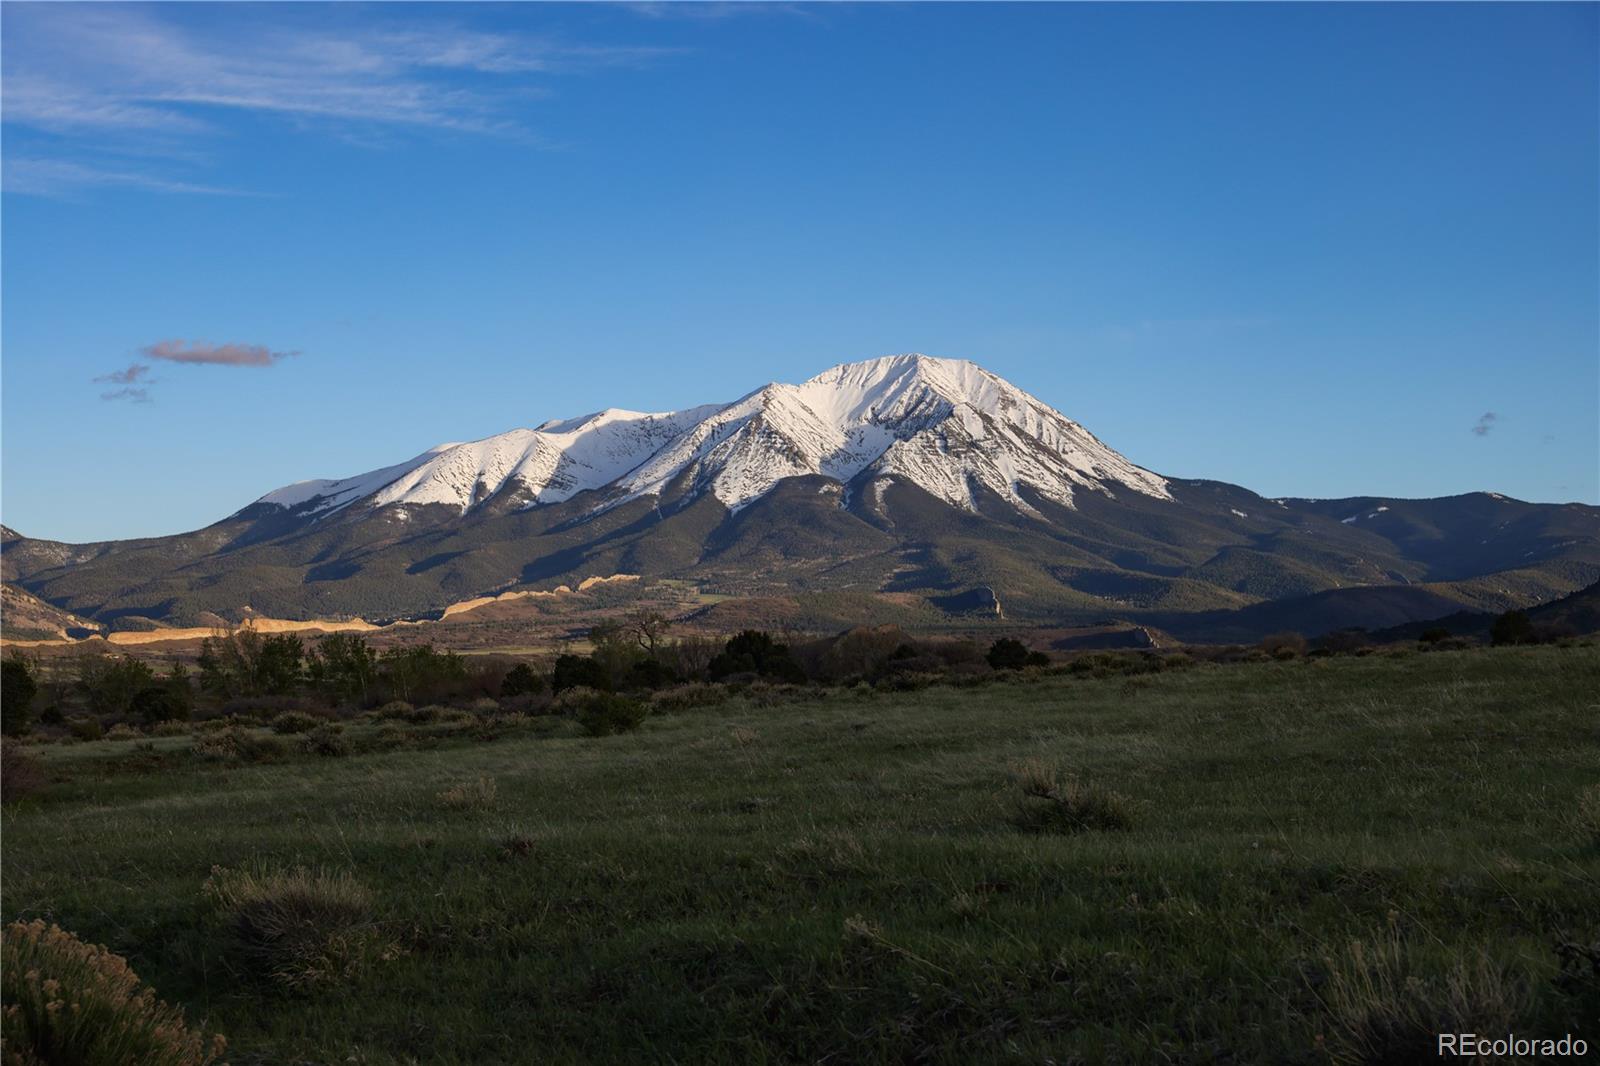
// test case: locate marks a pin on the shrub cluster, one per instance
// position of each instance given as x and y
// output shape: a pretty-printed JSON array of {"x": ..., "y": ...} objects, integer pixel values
[
  {"x": 71, "y": 1002},
  {"x": 295, "y": 722}
]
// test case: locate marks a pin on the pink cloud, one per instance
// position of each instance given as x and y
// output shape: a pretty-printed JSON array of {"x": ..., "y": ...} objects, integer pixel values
[{"x": 180, "y": 351}]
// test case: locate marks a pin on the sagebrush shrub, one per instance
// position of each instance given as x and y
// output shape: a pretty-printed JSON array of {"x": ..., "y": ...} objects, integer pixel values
[
  {"x": 391, "y": 735},
  {"x": 239, "y": 745},
  {"x": 297, "y": 927},
  {"x": 683, "y": 697},
  {"x": 295, "y": 722},
  {"x": 327, "y": 739},
  {"x": 71, "y": 1002},
  {"x": 570, "y": 701}
]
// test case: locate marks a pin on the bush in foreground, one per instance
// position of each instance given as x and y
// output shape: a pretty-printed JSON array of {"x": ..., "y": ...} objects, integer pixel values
[{"x": 71, "y": 1002}]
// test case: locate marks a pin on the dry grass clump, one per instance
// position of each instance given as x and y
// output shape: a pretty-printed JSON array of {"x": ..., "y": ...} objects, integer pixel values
[
  {"x": 1049, "y": 805},
  {"x": 821, "y": 859},
  {"x": 475, "y": 795},
  {"x": 516, "y": 841},
  {"x": 1384, "y": 1009},
  {"x": 71, "y": 1002},
  {"x": 1586, "y": 816},
  {"x": 298, "y": 927}
]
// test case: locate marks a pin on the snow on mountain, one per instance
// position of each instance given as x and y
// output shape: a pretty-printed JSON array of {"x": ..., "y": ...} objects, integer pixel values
[
  {"x": 546, "y": 465},
  {"x": 946, "y": 425}
]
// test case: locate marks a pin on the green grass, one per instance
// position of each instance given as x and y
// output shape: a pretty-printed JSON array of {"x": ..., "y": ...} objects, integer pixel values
[{"x": 842, "y": 878}]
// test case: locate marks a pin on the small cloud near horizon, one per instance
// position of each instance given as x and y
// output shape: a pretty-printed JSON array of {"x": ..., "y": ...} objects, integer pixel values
[
  {"x": 136, "y": 378},
  {"x": 132, "y": 393},
  {"x": 1485, "y": 423},
  {"x": 124, "y": 377},
  {"x": 181, "y": 351}
]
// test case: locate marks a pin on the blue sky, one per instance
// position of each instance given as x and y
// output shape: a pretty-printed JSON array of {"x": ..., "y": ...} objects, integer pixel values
[{"x": 1306, "y": 249}]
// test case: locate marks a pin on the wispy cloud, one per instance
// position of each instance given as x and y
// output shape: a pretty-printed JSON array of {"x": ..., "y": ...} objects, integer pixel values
[
  {"x": 58, "y": 177},
  {"x": 1485, "y": 423},
  {"x": 132, "y": 393},
  {"x": 180, "y": 351},
  {"x": 134, "y": 373},
  {"x": 712, "y": 9},
  {"x": 94, "y": 77}
]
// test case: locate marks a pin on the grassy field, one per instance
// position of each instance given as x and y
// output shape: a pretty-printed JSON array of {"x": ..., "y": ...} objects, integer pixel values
[{"x": 1290, "y": 862}]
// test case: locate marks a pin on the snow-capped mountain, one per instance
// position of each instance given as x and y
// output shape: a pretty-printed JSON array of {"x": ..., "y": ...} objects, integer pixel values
[
  {"x": 902, "y": 484},
  {"x": 945, "y": 425}
]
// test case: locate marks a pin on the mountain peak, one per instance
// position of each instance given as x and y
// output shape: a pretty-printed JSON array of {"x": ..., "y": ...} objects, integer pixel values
[{"x": 946, "y": 425}]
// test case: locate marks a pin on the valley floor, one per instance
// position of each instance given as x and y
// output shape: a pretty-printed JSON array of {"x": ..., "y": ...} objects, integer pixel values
[{"x": 1279, "y": 863}]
